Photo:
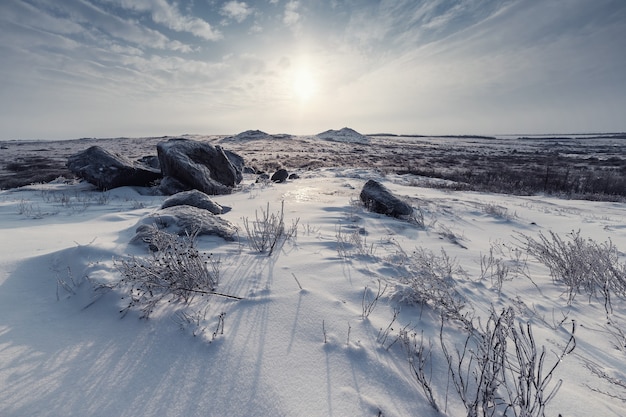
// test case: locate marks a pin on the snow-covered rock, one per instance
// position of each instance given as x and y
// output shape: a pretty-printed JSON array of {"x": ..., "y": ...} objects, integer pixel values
[
  {"x": 185, "y": 220},
  {"x": 193, "y": 198},
  {"x": 379, "y": 199}
]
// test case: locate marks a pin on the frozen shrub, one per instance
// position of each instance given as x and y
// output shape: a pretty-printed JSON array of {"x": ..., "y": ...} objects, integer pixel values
[
  {"x": 176, "y": 271},
  {"x": 353, "y": 243},
  {"x": 583, "y": 265},
  {"x": 498, "y": 211},
  {"x": 500, "y": 370},
  {"x": 268, "y": 232},
  {"x": 429, "y": 280},
  {"x": 495, "y": 267}
]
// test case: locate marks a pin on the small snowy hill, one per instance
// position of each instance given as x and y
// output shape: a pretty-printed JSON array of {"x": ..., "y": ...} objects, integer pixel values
[
  {"x": 249, "y": 135},
  {"x": 344, "y": 135}
]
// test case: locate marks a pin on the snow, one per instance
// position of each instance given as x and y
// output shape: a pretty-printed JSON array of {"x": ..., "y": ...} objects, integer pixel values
[{"x": 284, "y": 350}]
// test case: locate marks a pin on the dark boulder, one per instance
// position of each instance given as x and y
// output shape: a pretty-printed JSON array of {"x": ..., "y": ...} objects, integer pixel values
[
  {"x": 170, "y": 186},
  {"x": 184, "y": 220},
  {"x": 294, "y": 176},
  {"x": 151, "y": 160},
  {"x": 200, "y": 166},
  {"x": 280, "y": 176},
  {"x": 237, "y": 161},
  {"x": 379, "y": 199},
  {"x": 193, "y": 198},
  {"x": 107, "y": 170}
]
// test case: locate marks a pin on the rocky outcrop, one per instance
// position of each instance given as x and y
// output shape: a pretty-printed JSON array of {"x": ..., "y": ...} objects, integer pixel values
[
  {"x": 200, "y": 166},
  {"x": 193, "y": 198},
  {"x": 107, "y": 170},
  {"x": 379, "y": 199}
]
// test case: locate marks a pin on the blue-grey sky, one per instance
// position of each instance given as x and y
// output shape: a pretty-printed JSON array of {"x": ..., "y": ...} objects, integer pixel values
[{"x": 106, "y": 68}]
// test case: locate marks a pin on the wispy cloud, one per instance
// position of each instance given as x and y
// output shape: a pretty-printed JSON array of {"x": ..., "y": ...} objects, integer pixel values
[
  {"x": 169, "y": 15},
  {"x": 511, "y": 64},
  {"x": 84, "y": 23}
]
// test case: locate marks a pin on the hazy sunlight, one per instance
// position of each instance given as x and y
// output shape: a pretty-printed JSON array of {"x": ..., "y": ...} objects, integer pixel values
[{"x": 304, "y": 85}]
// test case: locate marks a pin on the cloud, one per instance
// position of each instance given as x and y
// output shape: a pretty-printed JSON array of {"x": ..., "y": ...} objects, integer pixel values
[
  {"x": 441, "y": 66},
  {"x": 509, "y": 67},
  {"x": 169, "y": 15},
  {"x": 400, "y": 25},
  {"x": 236, "y": 10},
  {"x": 80, "y": 23},
  {"x": 291, "y": 17}
]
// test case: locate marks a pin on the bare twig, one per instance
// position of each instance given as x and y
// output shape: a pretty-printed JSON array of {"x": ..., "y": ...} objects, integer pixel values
[{"x": 369, "y": 303}]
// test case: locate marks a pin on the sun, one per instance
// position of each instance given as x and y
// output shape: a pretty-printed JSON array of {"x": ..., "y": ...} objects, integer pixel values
[{"x": 304, "y": 85}]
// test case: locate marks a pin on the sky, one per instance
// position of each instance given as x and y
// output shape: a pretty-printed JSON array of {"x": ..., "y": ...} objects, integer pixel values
[{"x": 110, "y": 68}]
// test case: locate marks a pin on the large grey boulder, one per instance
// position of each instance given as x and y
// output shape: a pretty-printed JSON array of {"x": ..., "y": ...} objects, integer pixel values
[
  {"x": 193, "y": 198},
  {"x": 379, "y": 199},
  {"x": 200, "y": 166},
  {"x": 107, "y": 170},
  {"x": 184, "y": 220}
]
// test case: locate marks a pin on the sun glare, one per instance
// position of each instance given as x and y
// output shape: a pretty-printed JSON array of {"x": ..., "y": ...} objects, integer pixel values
[{"x": 304, "y": 85}]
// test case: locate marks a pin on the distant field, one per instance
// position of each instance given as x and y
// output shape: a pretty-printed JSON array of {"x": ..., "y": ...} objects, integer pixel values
[{"x": 577, "y": 166}]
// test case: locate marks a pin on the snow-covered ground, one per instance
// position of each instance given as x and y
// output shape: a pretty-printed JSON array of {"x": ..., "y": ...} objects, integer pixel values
[{"x": 298, "y": 343}]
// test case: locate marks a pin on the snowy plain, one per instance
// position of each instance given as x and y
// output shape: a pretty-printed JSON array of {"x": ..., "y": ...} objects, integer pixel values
[{"x": 298, "y": 342}]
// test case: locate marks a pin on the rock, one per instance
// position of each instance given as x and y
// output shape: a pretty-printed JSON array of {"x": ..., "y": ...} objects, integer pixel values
[
  {"x": 193, "y": 198},
  {"x": 183, "y": 220},
  {"x": 107, "y": 170},
  {"x": 200, "y": 165},
  {"x": 379, "y": 199},
  {"x": 280, "y": 176},
  {"x": 294, "y": 176},
  {"x": 237, "y": 161},
  {"x": 151, "y": 160},
  {"x": 170, "y": 186}
]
